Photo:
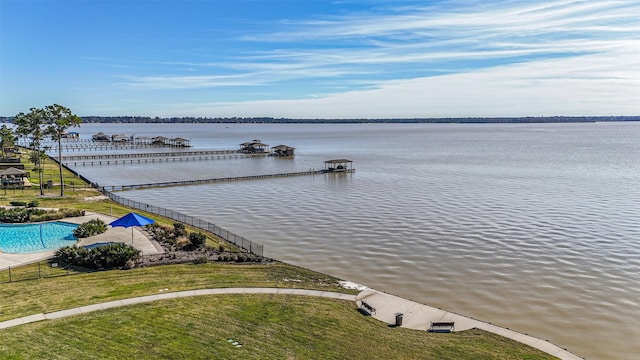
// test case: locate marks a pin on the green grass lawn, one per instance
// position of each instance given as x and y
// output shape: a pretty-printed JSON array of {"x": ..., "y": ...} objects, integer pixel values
[
  {"x": 267, "y": 326},
  {"x": 62, "y": 292}
]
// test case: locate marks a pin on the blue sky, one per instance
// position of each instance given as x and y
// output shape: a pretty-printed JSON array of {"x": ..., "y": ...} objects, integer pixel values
[{"x": 321, "y": 59}]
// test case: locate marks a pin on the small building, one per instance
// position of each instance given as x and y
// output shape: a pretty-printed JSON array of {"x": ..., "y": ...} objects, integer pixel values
[
  {"x": 71, "y": 135},
  {"x": 180, "y": 142},
  {"x": 282, "y": 151},
  {"x": 338, "y": 165},
  {"x": 100, "y": 137},
  {"x": 120, "y": 138},
  {"x": 159, "y": 140},
  {"x": 13, "y": 177},
  {"x": 254, "y": 147},
  {"x": 143, "y": 140}
]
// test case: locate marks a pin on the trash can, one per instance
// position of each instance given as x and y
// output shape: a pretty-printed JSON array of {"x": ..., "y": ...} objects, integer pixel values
[
  {"x": 399, "y": 319},
  {"x": 49, "y": 184}
]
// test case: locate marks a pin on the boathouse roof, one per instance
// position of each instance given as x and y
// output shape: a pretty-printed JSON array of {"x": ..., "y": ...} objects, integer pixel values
[
  {"x": 337, "y": 161},
  {"x": 282, "y": 147}
]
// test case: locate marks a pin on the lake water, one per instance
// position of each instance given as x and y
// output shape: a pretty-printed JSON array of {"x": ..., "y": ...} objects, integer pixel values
[{"x": 533, "y": 227}]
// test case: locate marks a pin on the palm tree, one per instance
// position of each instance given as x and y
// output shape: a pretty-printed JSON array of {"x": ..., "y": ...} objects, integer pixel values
[{"x": 58, "y": 119}]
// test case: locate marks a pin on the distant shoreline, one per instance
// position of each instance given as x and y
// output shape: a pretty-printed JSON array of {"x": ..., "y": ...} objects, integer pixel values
[{"x": 270, "y": 120}]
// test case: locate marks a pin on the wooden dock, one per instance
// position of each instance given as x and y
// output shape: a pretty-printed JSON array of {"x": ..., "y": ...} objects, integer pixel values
[
  {"x": 100, "y": 146},
  {"x": 220, "y": 180},
  {"x": 147, "y": 155},
  {"x": 156, "y": 157}
]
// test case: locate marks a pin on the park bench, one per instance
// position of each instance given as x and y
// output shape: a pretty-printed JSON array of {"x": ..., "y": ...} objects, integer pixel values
[
  {"x": 441, "y": 327},
  {"x": 364, "y": 306}
]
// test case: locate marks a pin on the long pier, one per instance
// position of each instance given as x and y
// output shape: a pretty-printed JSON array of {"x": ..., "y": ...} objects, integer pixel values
[
  {"x": 110, "y": 146},
  {"x": 114, "y": 159},
  {"x": 100, "y": 146},
  {"x": 147, "y": 155},
  {"x": 221, "y": 180}
]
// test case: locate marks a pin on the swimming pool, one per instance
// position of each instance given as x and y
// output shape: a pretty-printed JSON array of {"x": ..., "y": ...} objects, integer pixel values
[{"x": 30, "y": 238}]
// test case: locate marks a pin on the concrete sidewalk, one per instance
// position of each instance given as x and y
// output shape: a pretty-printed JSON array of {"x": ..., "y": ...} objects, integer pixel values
[{"x": 419, "y": 317}]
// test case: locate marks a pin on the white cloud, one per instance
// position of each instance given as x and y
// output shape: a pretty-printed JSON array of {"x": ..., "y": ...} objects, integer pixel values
[{"x": 584, "y": 85}]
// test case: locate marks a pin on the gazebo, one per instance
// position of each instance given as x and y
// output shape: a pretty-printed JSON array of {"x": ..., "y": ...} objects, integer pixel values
[
  {"x": 100, "y": 137},
  {"x": 282, "y": 151},
  {"x": 119, "y": 138},
  {"x": 145, "y": 140},
  {"x": 13, "y": 177},
  {"x": 178, "y": 141},
  {"x": 338, "y": 165},
  {"x": 254, "y": 147},
  {"x": 159, "y": 140}
]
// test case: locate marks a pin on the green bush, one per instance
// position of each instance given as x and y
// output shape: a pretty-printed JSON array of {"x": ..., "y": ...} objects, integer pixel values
[
  {"x": 18, "y": 203},
  {"x": 22, "y": 215},
  {"x": 33, "y": 204},
  {"x": 17, "y": 215},
  {"x": 201, "y": 260},
  {"x": 90, "y": 228},
  {"x": 115, "y": 255},
  {"x": 161, "y": 233},
  {"x": 179, "y": 230},
  {"x": 197, "y": 239}
]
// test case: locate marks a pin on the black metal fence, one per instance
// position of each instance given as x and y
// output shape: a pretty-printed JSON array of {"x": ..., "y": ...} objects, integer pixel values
[
  {"x": 237, "y": 240},
  {"x": 43, "y": 269}
]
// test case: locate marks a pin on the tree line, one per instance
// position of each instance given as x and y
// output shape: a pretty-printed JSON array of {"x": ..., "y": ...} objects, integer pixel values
[
  {"x": 249, "y": 120},
  {"x": 38, "y": 124}
]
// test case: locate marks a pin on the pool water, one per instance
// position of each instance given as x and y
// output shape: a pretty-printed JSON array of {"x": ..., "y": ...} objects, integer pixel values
[{"x": 30, "y": 238}]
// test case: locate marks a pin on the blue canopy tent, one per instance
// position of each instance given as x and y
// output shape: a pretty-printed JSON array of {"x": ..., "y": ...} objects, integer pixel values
[{"x": 131, "y": 220}]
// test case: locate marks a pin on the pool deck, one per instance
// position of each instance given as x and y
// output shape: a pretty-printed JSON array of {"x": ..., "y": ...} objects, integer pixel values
[{"x": 118, "y": 234}]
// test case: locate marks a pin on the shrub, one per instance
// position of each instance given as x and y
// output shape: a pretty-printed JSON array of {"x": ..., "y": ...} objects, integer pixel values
[
  {"x": 17, "y": 215},
  {"x": 179, "y": 230},
  {"x": 201, "y": 260},
  {"x": 161, "y": 233},
  {"x": 33, "y": 204},
  {"x": 90, "y": 228},
  {"x": 18, "y": 203},
  {"x": 71, "y": 212},
  {"x": 182, "y": 241},
  {"x": 197, "y": 239},
  {"x": 104, "y": 257},
  {"x": 21, "y": 215}
]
